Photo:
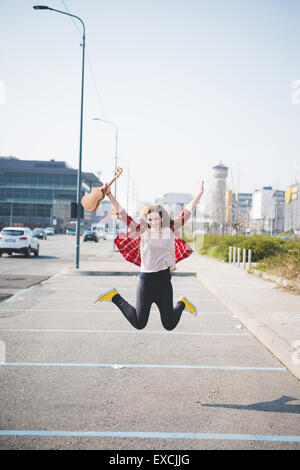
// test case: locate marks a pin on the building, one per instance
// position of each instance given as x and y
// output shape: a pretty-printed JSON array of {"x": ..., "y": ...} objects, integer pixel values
[
  {"x": 279, "y": 212},
  {"x": 231, "y": 220},
  {"x": 219, "y": 198},
  {"x": 267, "y": 214},
  {"x": 174, "y": 203},
  {"x": 38, "y": 193},
  {"x": 243, "y": 208},
  {"x": 292, "y": 208}
]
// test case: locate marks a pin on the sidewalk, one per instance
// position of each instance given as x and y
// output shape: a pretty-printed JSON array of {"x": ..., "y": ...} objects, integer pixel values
[{"x": 269, "y": 313}]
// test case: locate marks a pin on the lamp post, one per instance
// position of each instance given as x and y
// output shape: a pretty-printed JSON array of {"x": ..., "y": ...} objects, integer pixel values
[
  {"x": 116, "y": 166},
  {"x": 11, "y": 215},
  {"x": 43, "y": 7}
]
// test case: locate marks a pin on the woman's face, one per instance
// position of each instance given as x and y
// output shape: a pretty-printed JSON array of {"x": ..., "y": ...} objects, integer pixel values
[{"x": 154, "y": 220}]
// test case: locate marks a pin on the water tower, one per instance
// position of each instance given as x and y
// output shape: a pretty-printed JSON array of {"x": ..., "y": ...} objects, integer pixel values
[{"x": 219, "y": 197}]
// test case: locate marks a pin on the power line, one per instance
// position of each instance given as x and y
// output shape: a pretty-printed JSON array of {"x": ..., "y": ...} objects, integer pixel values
[{"x": 102, "y": 110}]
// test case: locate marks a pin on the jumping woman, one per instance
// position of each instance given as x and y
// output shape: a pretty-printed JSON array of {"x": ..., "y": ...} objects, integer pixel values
[{"x": 155, "y": 245}]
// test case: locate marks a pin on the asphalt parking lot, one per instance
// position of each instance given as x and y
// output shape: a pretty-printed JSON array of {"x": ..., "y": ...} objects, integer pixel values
[{"x": 77, "y": 375}]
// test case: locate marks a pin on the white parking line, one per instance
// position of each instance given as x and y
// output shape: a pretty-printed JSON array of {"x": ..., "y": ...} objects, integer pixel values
[
  {"x": 153, "y": 435},
  {"x": 44, "y": 330},
  {"x": 88, "y": 311},
  {"x": 85, "y": 299},
  {"x": 101, "y": 288},
  {"x": 139, "y": 366}
]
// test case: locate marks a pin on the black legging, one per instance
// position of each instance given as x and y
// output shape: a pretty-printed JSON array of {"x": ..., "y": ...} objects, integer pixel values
[{"x": 152, "y": 288}]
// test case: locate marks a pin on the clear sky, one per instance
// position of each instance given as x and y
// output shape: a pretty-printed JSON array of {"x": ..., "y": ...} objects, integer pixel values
[{"x": 189, "y": 83}]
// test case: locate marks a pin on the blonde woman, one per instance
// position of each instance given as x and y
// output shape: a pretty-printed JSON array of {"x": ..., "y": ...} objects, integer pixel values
[{"x": 155, "y": 245}]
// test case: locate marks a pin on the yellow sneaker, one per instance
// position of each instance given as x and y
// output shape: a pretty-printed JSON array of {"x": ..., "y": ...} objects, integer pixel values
[
  {"x": 188, "y": 305},
  {"x": 107, "y": 296}
]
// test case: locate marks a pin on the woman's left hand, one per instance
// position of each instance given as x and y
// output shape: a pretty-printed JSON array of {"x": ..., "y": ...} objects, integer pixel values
[{"x": 201, "y": 187}]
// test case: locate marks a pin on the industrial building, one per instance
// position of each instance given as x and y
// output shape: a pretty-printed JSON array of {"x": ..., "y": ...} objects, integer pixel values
[
  {"x": 219, "y": 198},
  {"x": 238, "y": 208},
  {"x": 38, "y": 193},
  {"x": 267, "y": 214}
]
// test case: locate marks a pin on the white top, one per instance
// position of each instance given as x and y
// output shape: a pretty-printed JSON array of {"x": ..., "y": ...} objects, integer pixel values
[{"x": 157, "y": 250}]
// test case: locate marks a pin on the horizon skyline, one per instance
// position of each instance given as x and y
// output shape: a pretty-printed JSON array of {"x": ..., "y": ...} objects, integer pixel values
[{"x": 228, "y": 187}]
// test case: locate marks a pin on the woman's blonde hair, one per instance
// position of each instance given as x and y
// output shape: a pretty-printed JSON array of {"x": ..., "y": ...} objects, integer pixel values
[{"x": 166, "y": 220}]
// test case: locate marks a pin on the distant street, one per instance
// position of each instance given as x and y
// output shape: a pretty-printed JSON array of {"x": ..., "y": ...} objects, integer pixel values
[{"x": 56, "y": 254}]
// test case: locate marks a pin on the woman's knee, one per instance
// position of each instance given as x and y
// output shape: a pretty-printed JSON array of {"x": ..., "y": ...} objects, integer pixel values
[
  {"x": 168, "y": 326},
  {"x": 141, "y": 324}
]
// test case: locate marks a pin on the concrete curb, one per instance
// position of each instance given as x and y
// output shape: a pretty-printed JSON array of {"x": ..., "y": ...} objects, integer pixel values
[
  {"x": 10, "y": 297},
  {"x": 4, "y": 297},
  {"x": 276, "y": 345}
]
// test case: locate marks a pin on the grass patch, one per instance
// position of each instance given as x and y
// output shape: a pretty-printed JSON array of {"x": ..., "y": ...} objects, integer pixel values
[
  {"x": 286, "y": 265},
  {"x": 273, "y": 255}
]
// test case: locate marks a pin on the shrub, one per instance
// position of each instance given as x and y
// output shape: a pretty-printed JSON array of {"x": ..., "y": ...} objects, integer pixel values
[
  {"x": 262, "y": 246},
  {"x": 273, "y": 254}
]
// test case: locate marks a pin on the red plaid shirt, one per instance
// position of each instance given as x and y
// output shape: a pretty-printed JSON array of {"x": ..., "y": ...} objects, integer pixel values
[{"x": 128, "y": 243}]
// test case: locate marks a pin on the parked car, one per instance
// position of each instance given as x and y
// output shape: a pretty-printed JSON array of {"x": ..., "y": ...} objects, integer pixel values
[
  {"x": 18, "y": 240},
  {"x": 101, "y": 234},
  {"x": 99, "y": 230},
  {"x": 40, "y": 233},
  {"x": 88, "y": 235},
  {"x": 49, "y": 231}
]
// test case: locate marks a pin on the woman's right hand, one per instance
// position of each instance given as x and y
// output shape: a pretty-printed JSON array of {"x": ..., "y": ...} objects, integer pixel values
[{"x": 106, "y": 189}]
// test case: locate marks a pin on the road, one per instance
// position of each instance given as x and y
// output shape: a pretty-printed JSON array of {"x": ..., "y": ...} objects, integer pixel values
[
  {"x": 56, "y": 254},
  {"x": 76, "y": 375}
]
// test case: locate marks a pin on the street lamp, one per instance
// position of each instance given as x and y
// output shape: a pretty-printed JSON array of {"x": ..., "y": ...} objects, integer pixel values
[
  {"x": 116, "y": 166},
  {"x": 11, "y": 215},
  {"x": 43, "y": 7}
]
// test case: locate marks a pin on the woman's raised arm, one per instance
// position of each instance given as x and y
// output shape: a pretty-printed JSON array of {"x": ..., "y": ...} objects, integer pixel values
[
  {"x": 189, "y": 209},
  {"x": 120, "y": 211}
]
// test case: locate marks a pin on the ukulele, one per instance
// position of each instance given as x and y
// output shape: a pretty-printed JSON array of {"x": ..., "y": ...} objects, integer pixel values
[{"x": 91, "y": 201}]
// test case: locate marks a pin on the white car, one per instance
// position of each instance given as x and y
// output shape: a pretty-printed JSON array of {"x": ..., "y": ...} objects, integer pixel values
[
  {"x": 18, "y": 240},
  {"x": 49, "y": 231},
  {"x": 100, "y": 233}
]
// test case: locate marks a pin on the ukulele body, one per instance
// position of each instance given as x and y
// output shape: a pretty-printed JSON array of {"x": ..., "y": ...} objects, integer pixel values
[{"x": 92, "y": 201}]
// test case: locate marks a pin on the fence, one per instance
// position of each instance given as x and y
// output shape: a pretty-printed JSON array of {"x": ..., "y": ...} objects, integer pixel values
[{"x": 235, "y": 256}]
